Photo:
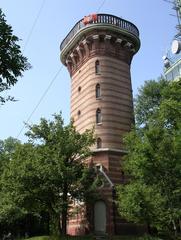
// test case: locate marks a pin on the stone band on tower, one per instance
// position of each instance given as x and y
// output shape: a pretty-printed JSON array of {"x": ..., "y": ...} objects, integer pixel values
[{"x": 98, "y": 53}]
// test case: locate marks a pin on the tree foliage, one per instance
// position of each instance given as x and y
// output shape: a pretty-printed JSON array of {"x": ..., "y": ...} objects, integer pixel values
[
  {"x": 152, "y": 196},
  {"x": 12, "y": 61},
  {"x": 148, "y": 100},
  {"x": 48, "y": 173},
  {"x": 7, "y": 148}
]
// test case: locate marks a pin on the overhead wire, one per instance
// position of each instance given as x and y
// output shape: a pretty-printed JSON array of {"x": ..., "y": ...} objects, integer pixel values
[
  {"x": 29, "y": 35},
  {"x": 34, "y": 24},
  {"x": 40, "y": 100},
  {"x": 52, "y": 81},
  {"x": 101, "y": 5}
]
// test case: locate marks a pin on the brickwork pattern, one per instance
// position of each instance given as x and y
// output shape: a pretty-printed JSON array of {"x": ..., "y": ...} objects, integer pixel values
[{"x": 102, "y": 57}]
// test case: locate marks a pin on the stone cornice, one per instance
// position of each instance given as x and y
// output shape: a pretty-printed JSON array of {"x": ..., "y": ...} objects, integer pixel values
[
  {"x": 110, "y": 150},
  {"x": 102, "y": 44},
  {"x": 86, "y": 31}
]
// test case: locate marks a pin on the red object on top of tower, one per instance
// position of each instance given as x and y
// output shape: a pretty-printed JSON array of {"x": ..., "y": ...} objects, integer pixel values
[{"x": 89, "y": 19}]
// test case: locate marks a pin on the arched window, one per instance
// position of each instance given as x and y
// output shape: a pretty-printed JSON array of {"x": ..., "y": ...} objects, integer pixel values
[
  {"x": 97, "y": 67},
  {"x": 98, "y": 91},
  {"x": 98, "y": 115},
  {"x": 100, "y": 218},
  {"x": 78, "y": 113},
  {"x": 79, "y": 88},
  {"x": 99, "y": 143}
]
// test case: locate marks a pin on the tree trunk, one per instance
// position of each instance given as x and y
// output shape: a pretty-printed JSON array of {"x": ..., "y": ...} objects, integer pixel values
[
  {"x": 174, "y": 227},
  {"x": 64, "y": 221},
  {"x": 149, "y": 228},
  {"x": 64, "y": 210},
  {"x": 180, "y": 225},
  {"x": 54, "y": 223},
  {"x": 59, "y": 226}
]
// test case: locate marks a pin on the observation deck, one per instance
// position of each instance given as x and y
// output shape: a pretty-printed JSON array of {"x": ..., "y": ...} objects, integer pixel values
[{"x": 101, "y": 22}]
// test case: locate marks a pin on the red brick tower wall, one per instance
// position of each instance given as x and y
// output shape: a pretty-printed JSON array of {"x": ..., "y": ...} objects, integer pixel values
[{"x": 98, "y": 57}]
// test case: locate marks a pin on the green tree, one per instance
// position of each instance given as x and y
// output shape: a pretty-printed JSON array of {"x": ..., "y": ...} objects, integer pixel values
[
  {"x": 49, "y": 172},
  {"x": 7, "y": 148},
  {"x": 12, "y": 61},
  {"x": 18, "y": 197},
  {"x": 152, "y": 196},
  {"x": 148, "y": 100}
]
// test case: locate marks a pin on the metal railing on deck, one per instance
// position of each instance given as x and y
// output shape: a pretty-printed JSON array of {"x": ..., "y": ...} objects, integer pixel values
[{"x": 102, "y": 18}]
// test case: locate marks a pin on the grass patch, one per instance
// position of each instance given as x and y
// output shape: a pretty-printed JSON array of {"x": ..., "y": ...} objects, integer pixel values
[
  {"x": 124, "y": 238},
  {"x": 61, "y": 238},
  {"x": 39, "y": 238},
  {"x": 92, "y": 238}
]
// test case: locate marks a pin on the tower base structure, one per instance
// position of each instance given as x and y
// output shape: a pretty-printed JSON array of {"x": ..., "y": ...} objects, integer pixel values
[{"x": 101, "y": 217}]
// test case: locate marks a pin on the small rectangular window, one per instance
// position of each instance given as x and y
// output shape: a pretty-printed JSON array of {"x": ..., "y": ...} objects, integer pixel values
[{"x": 97, "y": 67}]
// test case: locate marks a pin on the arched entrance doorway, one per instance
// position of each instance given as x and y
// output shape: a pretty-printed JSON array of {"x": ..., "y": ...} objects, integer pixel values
[{"x": 100, "y": 217}]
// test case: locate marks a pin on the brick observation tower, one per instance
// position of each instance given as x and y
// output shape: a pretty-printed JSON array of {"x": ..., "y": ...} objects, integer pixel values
[{"x": 98, "y": 52}]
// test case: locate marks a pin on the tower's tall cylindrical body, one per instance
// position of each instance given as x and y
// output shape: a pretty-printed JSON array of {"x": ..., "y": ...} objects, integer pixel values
[{"x": 98, "y": 53}]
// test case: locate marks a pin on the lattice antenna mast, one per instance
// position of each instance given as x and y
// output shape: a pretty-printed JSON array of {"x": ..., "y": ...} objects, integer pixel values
[
  {"x": 175, "y": 59},
  {"x": 177, "y": 7}
]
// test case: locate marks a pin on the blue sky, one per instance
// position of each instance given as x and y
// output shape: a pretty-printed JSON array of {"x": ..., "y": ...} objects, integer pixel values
[{"x": 42, "y": 34}]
